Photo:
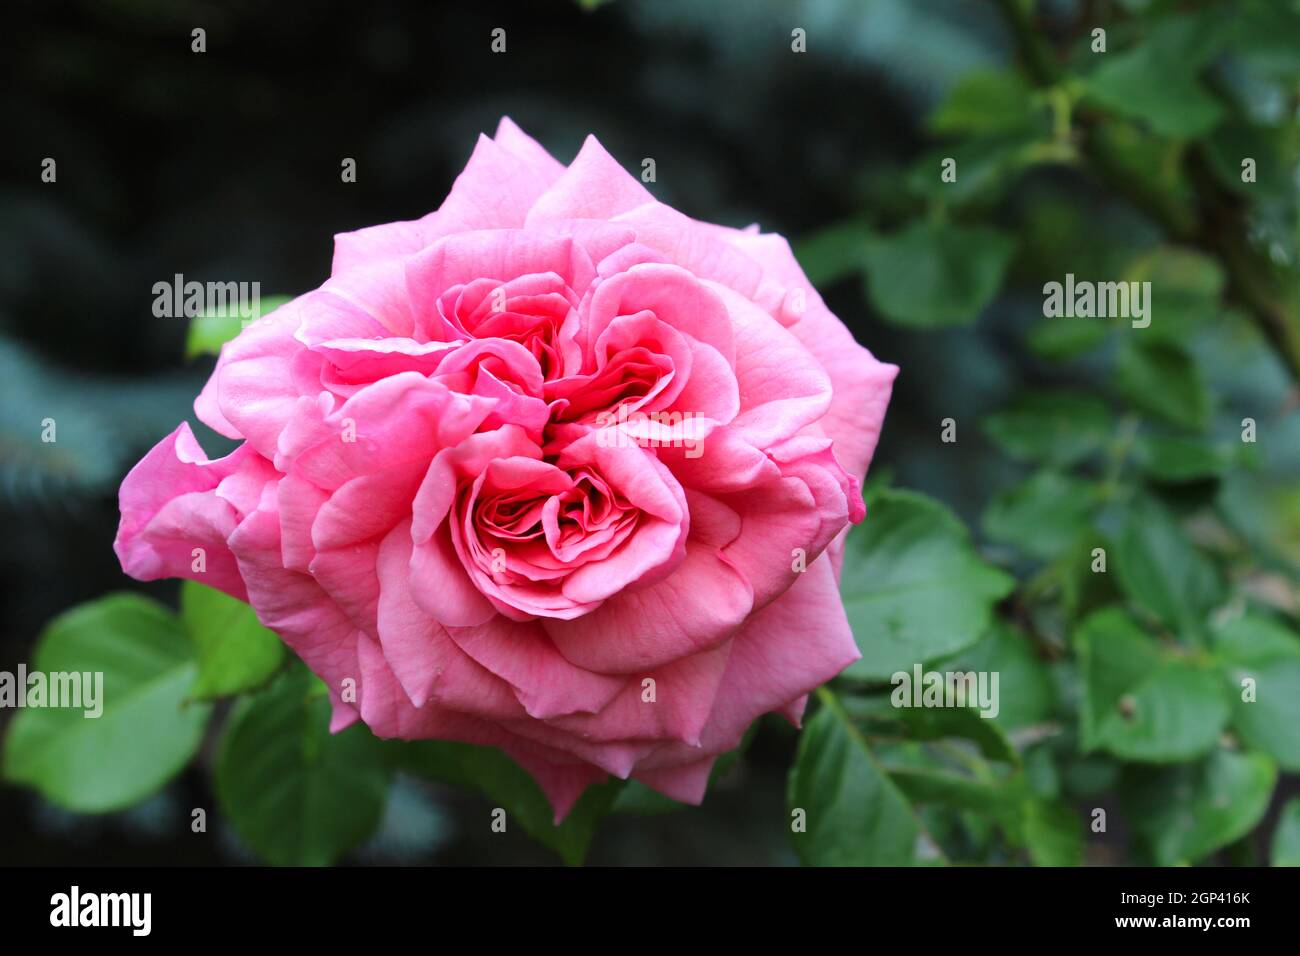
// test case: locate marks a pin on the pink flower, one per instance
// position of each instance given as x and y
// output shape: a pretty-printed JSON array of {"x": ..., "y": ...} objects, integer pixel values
[{"x": 554, "y": 469}]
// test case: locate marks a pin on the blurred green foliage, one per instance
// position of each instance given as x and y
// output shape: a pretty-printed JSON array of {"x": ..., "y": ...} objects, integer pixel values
[{"x": 1152, "y": 533}]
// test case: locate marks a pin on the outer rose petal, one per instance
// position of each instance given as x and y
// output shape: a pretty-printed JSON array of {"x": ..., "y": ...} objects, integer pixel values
[
  {"x": 767, "y": 670},
  {"x": 208, "y": 411},
  {"x": 172, "y": 502},
  {"x": 689, "y": 244},
  {"x": 348, "y": 576},
  {"x": 543, "y": 681},
  {"x": 862, "y": 384},
  {"x": 513, "y": 157},
  {"x": 782, "y": 388},
  {"x": 342, "y": 716},
  {"x": 298, "y": 502},
  {"x": 594, "y": 186},
  {"x": 388, "y": 713},
  {"x": 495, "y": 191},
  {"x": 617, "y": 757},
  {"x": 795, "y": 496},
  {"x": 293, "y": 604},
  {"x": 793, "y": 711},
  {"x": 255, "y": 389},
  {"x": 392, "y": 240},
  {"x": 684, "y": 692},
  {"x": 563, "y": 783},
  {"x": 523, "y": 147},
  {"x": 685, "y": 783}
]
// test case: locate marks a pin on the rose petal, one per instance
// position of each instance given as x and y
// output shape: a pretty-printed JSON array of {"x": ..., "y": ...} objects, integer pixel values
[
  {"x": 594, "y": 186},
  {"x": 686, "y": 783},
  {"x": 696, "y": 608},
  {"x": 171, "y": 505},
  {"x": 426, "y": 661},
  {"x": 543, "y": 680},
  {"x": 862, "y": 385},
  {"x": 293, "y": 604},
  {"x": 683, "y": 697}
]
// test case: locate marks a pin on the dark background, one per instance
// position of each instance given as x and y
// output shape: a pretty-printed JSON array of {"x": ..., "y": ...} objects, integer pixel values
[{"x": 225, "y": 166}]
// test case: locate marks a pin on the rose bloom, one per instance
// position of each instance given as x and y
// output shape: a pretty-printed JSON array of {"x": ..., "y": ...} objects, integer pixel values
[{"x": 554, "y": 469}]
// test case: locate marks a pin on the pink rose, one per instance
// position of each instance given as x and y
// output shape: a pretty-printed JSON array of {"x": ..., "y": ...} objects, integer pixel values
[{"x": 518, "y": 459}]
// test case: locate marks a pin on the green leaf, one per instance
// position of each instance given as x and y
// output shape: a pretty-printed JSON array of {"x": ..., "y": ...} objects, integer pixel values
[
  {"x": 1185, "y": 290},
  {"x": 1238, "y": 139},
  {"x": 1174, "y": 459},
  {"x": 927, "y": 786},
  {"x": 914, "y": 589},
  {"x": 834, "y": 252},
  {"x": 1140, "y": 702},
  {"x": 1162, "y": 573},
  {"x": 982, "y": 168},
  {"x": 1050, "y": 428},
  {"x": 1266, "y": 38},
  {"x": 1156, "y": 81},
  {"x": 1053, "y": 833},
  {"x": 985, "y": 101},
  {"x": 1162, "y": 379},
  {"x": 236, "y": 653},
  {"x": 1079, "y": 588},
  {"x": 147, "y": 730},
  {"x": 1149, "y": 165},
  {"x": 1285, "y": 850},
  {"x": 1090, "y": 777},
  {"x": 1044, "y": 515},
  {"x": 1050, "y": 830},
  {"x": 1059, "y": 338},
  {"x": 294, "y": 792},
  {"x": 1266, "y": 513},
  {"x": 964, "y": 722},
  {"x": 209, "y": 332},
  {"x": 1042, "y": 776},
  {"x": 1185, "y": 813},
  {"x": 1026, "y": 693},
  {"x": 507, "y": 785},
  {"x": 931, "y": 275},
  {"x": 1259, "y": 648},
  {"x": 895, "y": 714},
  {"x": 853, "y": 814},
  {"x": 1177, "y": 105}
]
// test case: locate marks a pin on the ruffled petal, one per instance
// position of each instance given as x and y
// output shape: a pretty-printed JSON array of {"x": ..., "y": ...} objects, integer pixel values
[
  {"x": 594, "y": 186},
  {"x": 694, "y": 609},
  {"x": 176, "y": 519}
]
